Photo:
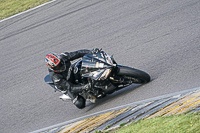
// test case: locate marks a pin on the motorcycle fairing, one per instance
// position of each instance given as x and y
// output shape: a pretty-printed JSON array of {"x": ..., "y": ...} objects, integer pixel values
[{"x": 95, "y": 65}]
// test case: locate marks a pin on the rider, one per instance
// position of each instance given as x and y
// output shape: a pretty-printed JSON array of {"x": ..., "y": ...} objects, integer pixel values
[{"x": 60, "y": 71}]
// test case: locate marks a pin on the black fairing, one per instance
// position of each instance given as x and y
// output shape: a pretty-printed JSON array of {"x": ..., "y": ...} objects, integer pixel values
[{"x": 94, "y": 65}]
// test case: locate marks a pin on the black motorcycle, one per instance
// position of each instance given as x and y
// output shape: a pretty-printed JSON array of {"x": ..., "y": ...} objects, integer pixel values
[{"x": 104, "y": 74}]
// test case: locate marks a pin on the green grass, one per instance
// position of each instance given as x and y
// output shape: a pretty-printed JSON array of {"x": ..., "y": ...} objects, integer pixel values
[
  {"x": 184, "y": 123},
  {"x": 12, "y": 7}
]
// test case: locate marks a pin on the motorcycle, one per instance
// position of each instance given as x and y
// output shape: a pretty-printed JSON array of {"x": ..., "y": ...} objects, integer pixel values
[{"x": 103, "y": 74}]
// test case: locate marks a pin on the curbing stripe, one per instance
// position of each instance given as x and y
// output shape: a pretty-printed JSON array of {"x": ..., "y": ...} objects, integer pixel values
[
  {"x": 195, "y": 109},
  {"x": 167, "y": 109},
  {"x": 112, "y": 116},
  {"x": 97, "y": 121},
  {"x": 180, "y": 104},
  {"x": 152, "y": 110},
  {"x": 195, "y": 104},
  {"x": 173, "y": 100},
  {"x": 116, "y": 119},
  {"x": 175, "y": 103},
  {"x": 159, "y": 108}
]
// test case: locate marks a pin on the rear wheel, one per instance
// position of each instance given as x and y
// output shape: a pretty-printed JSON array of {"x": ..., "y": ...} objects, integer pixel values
[{"x": 134, "y": 75}]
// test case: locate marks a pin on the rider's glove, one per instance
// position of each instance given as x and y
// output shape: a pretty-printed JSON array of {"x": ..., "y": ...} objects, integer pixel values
[
  {"x": 96, "y": 50},
  {"x": 87, "y": 87}
]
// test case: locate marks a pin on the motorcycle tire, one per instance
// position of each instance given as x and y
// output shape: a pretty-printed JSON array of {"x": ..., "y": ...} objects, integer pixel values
[{"x": 135, "y": 75}]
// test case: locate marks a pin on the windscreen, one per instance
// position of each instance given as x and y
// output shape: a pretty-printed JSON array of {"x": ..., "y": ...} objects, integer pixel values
[{"x": 93, "y": 65}]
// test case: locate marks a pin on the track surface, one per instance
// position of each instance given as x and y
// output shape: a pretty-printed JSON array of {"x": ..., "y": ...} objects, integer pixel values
[{"x": 158, "y": 36}]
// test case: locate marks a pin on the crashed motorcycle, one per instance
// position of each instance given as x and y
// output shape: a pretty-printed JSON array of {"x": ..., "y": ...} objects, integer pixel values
[{"x": 103, "y": 74}]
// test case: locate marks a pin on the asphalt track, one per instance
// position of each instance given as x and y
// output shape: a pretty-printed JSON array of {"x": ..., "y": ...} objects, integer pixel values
[{"x": 160, "y": 37}]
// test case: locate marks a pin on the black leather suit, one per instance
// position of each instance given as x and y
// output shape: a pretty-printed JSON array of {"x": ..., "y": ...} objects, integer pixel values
[{"x": 65, "y": 80}]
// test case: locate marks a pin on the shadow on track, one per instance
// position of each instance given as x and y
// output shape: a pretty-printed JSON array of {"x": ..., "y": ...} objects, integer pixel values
[{"x": 112, "y": 96}]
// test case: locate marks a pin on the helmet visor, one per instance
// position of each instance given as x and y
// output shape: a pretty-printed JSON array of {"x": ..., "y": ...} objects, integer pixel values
[{"x": 60, "y": 67}]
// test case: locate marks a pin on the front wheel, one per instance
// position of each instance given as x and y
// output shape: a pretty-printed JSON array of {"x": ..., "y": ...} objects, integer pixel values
[{"x": 134, "y": 75}]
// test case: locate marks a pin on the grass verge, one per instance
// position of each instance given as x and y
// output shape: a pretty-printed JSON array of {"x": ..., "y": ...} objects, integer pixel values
[
  {"x": 12, "y": 7},
  {"x": 183, "y": 123}
]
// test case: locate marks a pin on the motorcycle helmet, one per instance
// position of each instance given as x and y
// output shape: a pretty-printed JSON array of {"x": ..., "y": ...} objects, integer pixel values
[{"x": 54, "y": 62}]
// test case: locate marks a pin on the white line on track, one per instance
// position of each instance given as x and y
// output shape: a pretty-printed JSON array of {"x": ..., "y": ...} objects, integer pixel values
[{"x": 27, "y": 10}]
